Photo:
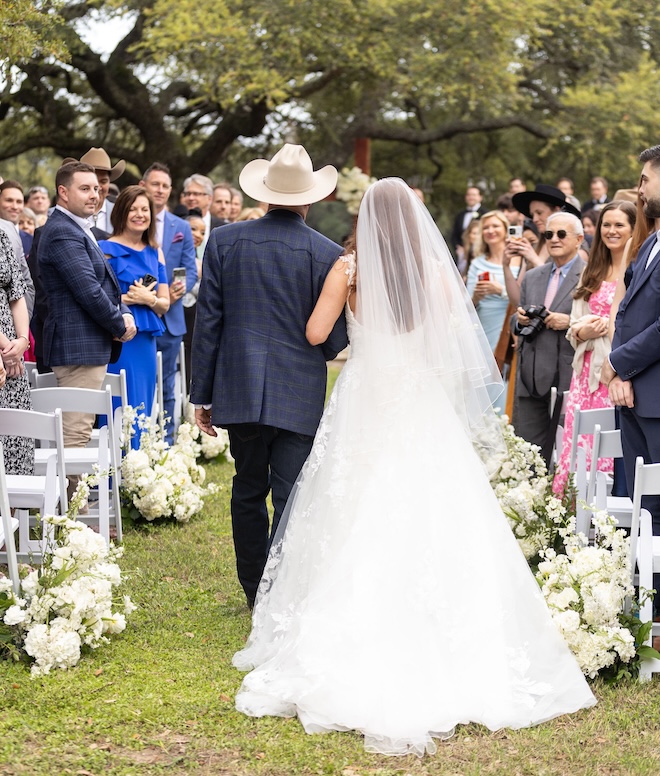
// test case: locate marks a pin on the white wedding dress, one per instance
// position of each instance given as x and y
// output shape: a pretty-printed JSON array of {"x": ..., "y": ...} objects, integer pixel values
[{"x": 397, "y": 602}]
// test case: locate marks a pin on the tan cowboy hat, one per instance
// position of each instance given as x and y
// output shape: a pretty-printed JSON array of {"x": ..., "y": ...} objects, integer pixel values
[
  {"x": 99, "y": 160},
  {"x": 288, "y": 178}
]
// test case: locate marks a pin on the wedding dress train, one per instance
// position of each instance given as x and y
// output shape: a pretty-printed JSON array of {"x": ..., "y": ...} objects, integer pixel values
[{"x": 396, "y": 601}]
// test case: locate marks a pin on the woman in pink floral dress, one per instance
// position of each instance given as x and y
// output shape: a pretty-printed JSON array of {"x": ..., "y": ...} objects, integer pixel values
[{"x": 588, "y": 331}]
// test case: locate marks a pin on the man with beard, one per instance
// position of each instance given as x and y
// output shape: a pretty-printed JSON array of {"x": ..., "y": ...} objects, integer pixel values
[{"x": 633, "y": 371}]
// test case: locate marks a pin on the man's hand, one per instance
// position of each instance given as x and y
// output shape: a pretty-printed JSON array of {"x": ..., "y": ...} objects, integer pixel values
[
  {"x": 621, "y": 392},
  {"x": 131, "y": 330},
  {"x": 523, "y": 320},
  {"x": 607, "y": 373},
  {"x": 203, "y": 420},
  {"x": 557, "y": 321}
]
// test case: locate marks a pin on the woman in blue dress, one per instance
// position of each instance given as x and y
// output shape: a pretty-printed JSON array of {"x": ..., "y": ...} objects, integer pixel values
[
  {"x": 139, "y": 265},
  {"x": 485, "y": 280}
]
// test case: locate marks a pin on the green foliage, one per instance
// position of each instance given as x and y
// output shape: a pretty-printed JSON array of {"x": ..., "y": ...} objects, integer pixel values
[
  {"x": 451, "y": 93},
  {"x": 30, "y": 30}
]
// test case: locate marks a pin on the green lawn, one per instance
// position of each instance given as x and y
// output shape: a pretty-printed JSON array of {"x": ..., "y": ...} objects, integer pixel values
[{"x": 159, "y": 699}]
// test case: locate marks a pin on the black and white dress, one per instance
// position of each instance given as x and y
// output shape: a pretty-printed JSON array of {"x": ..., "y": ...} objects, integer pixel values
[{"x": 18, "y": 451}]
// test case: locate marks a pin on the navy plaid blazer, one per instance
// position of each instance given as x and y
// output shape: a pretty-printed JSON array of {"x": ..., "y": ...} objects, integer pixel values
[
  {"x": 250, "y": 358},
  {"x": 84, "y": 300}
]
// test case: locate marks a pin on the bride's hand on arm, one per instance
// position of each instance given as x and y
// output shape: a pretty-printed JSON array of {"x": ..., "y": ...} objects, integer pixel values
[{"x": 329, "y": 306}]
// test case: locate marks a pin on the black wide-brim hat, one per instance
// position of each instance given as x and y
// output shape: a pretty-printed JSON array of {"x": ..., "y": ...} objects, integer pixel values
[{"x": 543, "y": 193}]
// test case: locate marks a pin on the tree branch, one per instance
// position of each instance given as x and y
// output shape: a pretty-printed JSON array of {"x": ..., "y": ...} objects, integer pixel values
[{"x": 419, "y": 137}]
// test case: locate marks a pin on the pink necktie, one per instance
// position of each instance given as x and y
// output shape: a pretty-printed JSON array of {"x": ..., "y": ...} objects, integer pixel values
[{"x": 553, "y": 285}]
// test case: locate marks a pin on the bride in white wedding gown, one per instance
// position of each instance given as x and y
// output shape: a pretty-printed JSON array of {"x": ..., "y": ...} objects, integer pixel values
[{"x": 395, "y": 601}]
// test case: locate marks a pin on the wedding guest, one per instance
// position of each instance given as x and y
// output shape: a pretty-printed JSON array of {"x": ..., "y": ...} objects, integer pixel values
[
  {"x": 139, "y": 265},
  {"x": 589, "y": 222},
  {"x": 236, "y": 204},
  {"x": 598, "y": 187},
  {"x": 472, "y": 247},
  {"x": 105, "y": 173},
  {"x": 38, "y": 201},
  {"x": 485, "y": 280},
  {"x": 198, "y": 227},
  {"x": 27, "y": 221},
  {"x": 250, "y": 213},
  {"x": 198, "y": 193},
  {"x": 633, "y": 369},
  {"x": 516, "y": 185},
  {"x": 588, "y": 330},
  {"x": 86, "y": 321},
  {"x": 11, "y": 206},
  {"x": 174, "y": 237},
  {"x": 473, "y": 210},
  {"x": 544, "y": 354},
  {"x": 539, "y": 205},
  {"x": 221, "y": 205},
  {"x": 512, "y": 214},
  {"x": 14, "y": 341},
  {"x": 566, "y": 186},
  {"x": 253, "y": 371}
]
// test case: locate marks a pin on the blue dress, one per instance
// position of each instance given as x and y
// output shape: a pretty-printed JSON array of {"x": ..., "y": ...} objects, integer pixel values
[{"x": 138, "y": 357}]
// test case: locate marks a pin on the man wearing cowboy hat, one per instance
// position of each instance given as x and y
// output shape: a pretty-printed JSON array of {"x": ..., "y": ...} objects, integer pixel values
[
  {"x": 105, "y": 172},
  {"x": 253, "y": 371}
]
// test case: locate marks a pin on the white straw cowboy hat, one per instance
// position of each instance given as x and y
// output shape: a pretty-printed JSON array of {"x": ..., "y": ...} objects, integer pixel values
[
  {"x": 99, "y": 160},
  {"x": 288, "y": 178}
]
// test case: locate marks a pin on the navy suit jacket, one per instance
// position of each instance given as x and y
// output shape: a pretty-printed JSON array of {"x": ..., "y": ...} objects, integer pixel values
[
  {"x": 636, "y": 344},
  {"x": 84, "y": 300},
  {"x": 250, "y": 358},
  {"x": 179, "y": 251}
]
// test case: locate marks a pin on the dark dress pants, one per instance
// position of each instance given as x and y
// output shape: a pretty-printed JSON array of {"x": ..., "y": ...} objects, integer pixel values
[
  {"x": 641, "y": 436},
  {"x": 169, "y": 345},
  {"x": 267, "y": 458}
]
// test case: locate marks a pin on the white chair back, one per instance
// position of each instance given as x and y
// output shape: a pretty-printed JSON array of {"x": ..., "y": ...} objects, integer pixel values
[
  {"x": 8, "y": 527},
  {"x": 584, "y": 422}
]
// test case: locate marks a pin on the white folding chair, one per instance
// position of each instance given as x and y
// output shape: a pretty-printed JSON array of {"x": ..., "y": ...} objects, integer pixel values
[
  {"x": 8, "y": 527},
  {"x": 606, "y": 444},
  {"x": 157, "y": 408},
  {"x": 118, "y": 388},
  {"x": 81, "y": 460},
  {"x": 645, "y": 549},
  {"x": 584, "y": 423},
  {"x": 30, "y": 371},
  {"x": 43, "y": 492},
  {"x": 180, "y": 388}
]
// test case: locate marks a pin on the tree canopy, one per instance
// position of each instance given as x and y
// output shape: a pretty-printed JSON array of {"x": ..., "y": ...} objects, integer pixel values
[{"x": 460, "y": 88}]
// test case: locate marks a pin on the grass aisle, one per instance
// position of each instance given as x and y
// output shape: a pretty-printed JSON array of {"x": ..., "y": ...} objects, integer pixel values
[{"x": 159, "y": 699}]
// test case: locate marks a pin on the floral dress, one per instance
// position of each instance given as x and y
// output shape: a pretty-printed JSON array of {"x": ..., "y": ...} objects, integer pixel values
[
  {"x": 579, "y": 395},
  {"x": 18, "y": 451}
]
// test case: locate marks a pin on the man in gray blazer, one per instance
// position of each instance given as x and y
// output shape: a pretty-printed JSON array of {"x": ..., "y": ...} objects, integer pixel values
[{"x": 544, "y": 353}]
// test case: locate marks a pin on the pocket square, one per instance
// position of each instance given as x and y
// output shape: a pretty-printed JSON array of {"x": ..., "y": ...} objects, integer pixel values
[{"x": 178, "y": 237}]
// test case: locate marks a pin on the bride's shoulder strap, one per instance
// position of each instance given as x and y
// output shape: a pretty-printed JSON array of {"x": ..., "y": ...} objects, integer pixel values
[{"x": 349, "y": 260}]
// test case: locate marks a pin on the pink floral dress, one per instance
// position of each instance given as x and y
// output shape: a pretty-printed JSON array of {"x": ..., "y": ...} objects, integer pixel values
[{"x": 580, "y": 396}]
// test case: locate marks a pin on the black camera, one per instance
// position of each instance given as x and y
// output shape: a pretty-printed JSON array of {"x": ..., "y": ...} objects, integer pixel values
[{"x": 537, "y": 314}]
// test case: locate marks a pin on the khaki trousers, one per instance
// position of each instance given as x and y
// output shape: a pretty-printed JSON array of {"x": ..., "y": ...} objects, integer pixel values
[{"x": 77, "y": 426}]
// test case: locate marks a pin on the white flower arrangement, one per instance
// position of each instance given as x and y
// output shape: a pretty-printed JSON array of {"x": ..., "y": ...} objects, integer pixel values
[
  {"x": 69, "y": 602},
  {"x": 351, "y": 185},
  {"x": 585, "y": 586},
  {"x": 585, "y": 590},
  {"x": 159, "y": 481}
]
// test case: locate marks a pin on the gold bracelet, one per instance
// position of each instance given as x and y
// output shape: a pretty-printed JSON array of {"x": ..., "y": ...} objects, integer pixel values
[{"x": 22, "y": 336}]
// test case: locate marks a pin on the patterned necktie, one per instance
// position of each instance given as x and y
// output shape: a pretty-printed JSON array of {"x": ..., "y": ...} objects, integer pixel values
[{"x": 553, "y": 285}]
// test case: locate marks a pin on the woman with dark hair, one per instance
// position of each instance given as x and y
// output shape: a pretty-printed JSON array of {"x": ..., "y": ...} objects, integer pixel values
[
  {"x": 393, "y": 520},
  {"x": 139, "y": 265},
  {"x": 588, "y": 330}
]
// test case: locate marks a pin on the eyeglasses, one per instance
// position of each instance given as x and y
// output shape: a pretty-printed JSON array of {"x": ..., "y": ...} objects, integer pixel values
[
  {"x": 562, "y": 234},
  {"x": 195, "y": 194}
]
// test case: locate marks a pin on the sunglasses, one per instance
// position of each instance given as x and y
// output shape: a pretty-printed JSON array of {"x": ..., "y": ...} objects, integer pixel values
[{"x": 562, "y": 234}]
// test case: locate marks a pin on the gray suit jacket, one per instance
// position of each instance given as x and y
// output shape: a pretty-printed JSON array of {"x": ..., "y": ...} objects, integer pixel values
[{"x": 546, "y": 360}]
